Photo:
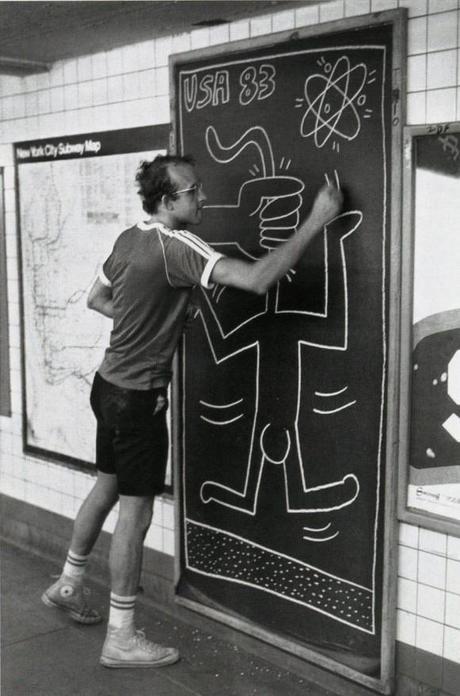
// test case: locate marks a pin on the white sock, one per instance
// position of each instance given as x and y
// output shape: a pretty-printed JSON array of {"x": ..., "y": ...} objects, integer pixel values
[
  {"x": 121, "y": 615},
  {"x": 75, "y": 567}
]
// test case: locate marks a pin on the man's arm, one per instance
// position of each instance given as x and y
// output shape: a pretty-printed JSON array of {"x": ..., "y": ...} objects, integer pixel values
[
  {"x": 259, "y": 276},
  {"x": 100, "y": 299}
]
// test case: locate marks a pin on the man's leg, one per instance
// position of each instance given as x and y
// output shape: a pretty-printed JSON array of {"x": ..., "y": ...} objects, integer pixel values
[
  {"x": 125, "y": 560},
  {"x": 68, "y": 593},
  {"x": 93, "y": 513},
  {"x": 124, "y": 646}
]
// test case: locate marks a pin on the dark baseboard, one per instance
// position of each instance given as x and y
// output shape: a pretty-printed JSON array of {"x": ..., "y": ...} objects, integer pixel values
[{"x": 421, "y": 673}]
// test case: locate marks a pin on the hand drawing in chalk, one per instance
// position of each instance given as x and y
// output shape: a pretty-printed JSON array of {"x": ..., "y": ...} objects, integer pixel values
[
  {"x": 334, "y": 100},
  {"x": 274, "y": 201}
]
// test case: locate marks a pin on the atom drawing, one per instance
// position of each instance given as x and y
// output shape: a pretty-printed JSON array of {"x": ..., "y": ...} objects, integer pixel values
[{"x": 332, "y": 99}]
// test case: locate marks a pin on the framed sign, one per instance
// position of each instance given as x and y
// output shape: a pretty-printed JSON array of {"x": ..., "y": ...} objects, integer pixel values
[
  {"x": 286, "y": 523},
  {"x": 430, "y": 407},
  {"x": 76, "y": 195}
]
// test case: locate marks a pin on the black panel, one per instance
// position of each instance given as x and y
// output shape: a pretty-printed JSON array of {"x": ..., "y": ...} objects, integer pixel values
[{"x": 284, "y": 395}]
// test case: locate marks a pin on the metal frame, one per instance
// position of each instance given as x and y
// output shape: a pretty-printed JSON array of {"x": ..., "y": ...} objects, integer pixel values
[
  {"x": 159, "y": 132},
  {"x": 407, "y": 514},
  {"x": 5, "y": 397},
  {"x": 385, "y": 683}
]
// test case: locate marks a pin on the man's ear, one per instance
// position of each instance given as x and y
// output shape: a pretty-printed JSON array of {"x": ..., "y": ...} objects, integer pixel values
[{"x": 167, "y": 202}]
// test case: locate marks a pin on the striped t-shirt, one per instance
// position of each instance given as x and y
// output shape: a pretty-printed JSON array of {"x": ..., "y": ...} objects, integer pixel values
[{"x": 151, "y": 270}]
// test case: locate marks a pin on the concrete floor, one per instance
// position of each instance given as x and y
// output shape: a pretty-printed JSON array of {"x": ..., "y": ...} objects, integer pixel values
[{"x": 46, "y": 654}]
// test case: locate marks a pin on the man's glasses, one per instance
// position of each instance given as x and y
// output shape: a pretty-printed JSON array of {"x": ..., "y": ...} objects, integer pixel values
[{"x": 196, "y": 188}]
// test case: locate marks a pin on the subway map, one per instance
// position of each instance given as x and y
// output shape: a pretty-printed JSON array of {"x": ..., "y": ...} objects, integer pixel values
[{"x": 71, "y": 212}]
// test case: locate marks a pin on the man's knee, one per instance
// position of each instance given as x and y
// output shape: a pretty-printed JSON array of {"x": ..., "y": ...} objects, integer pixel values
[
  {"x": 136, "y": 512},
  {"x": 105, "y": 491}
]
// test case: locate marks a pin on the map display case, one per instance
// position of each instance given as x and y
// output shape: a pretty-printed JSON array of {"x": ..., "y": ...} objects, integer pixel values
[{"x": 76, "y": 194}]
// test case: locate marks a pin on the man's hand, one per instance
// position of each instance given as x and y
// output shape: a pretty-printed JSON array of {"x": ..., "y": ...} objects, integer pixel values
[
  {"x": 160, "y": 404},
  {"x": 327, "y": 205},
  {"x": 100, "y": 299},
  {"x": 191, "y": 314}
]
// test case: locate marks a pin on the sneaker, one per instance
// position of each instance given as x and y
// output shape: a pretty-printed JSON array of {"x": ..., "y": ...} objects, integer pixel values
[
  {"x": 122, "y": 649},
  {"x": 71, "y": 600}
]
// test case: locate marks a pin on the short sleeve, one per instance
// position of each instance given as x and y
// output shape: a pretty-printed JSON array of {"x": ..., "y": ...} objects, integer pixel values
[
  {"x": 105, "y": 272},
  {"x": 189, "y": 260}
]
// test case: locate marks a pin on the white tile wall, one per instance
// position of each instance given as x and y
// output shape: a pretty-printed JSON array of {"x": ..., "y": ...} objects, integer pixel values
[
  {"x": 200, "y": 39},
  {"x": 260, "y": 25},
  {"x": 453, "y": 547},
  {"x": 452, "y": 644},
  {"x": 169, "y": 544},
  {"x": 442, "y": 5},
  {"x": 417, "y": 35},
  {"x": 238, "y": 31},
  {"x": 441, "y": 69},
  {"x": 380, "y": 5},
  {"x": 431, "y": 603},
  {"x": 219, "y": 35},
  {"x": 429, "y": 636},
  {"x": 407, "y": 595},
  {"x": 441, "y": 105},
  {"x": 114, "y": 63},
  {"x": 405, "y": 627},
  {"x": 304, "y": 16},
  {"x": 168, "y": 515},
  {"x": 408, "y": 561},
  {"x": 331, "y": 10},
  {"x": 453, "y": 576},
  {"x": 432, "y": 542},
  {"x": 431, "y": 569},
  {"x": 129, "y": 86},
  {"x": 442, "y": 31},
  {"x": 416, "y": 73},
  {"x": 409, "y": 535},
  {"x": 416, "y": 108},
  {"x": 282, "y": 21},
  {"x": 452, "y": 617}
]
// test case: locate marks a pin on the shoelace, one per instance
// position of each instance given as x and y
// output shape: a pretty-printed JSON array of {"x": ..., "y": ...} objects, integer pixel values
[{"x": 142, "y": 641}]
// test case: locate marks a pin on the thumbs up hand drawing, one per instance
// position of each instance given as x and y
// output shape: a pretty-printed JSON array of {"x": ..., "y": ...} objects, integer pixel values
[
  {"x": 274, "y": 200},
  {"x": 275, "y": 203}
]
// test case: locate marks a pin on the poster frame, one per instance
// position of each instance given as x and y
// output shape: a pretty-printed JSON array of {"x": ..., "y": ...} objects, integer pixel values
[
  {"x": 411, "y": 515},
  {"x": 384, "y": 683},
  {"x": 5, "y": 377},
  {"x": 118, "y": 141}
]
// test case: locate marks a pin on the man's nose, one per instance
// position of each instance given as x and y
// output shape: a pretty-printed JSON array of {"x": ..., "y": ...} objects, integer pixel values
[{"x": 202, "y": 196}]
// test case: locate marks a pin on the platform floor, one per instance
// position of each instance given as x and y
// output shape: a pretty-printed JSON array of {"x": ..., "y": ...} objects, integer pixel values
[{"x": 46, "y": 654}]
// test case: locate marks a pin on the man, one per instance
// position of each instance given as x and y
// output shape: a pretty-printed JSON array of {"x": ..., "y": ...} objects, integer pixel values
[{"x": 145, "y": 287}]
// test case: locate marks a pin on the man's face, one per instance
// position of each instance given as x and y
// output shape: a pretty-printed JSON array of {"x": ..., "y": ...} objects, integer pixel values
[{"x": 186, "y": 209}]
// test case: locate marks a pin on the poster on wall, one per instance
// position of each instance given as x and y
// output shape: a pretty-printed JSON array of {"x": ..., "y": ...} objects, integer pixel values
[
  {"x": 76, "y": 195},
  {"x": 434, "y": 414},
  {"x": 284, "y": 412}
]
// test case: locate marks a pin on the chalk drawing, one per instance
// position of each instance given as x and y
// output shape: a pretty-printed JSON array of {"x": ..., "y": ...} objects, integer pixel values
[
  {"x": 275, "y": 436},
  {"x": 333, "y": 99}
]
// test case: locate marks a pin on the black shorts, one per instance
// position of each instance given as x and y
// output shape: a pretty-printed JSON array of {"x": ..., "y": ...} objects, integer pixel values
[{"x": 131, "y": 442}]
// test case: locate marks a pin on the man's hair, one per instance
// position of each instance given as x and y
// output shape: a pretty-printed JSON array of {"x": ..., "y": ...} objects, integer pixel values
[{"x": 154, "y": 181}]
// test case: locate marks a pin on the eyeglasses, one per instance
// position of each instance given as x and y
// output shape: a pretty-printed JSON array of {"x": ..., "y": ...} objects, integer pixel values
[{"x": 196, "y": 188}]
